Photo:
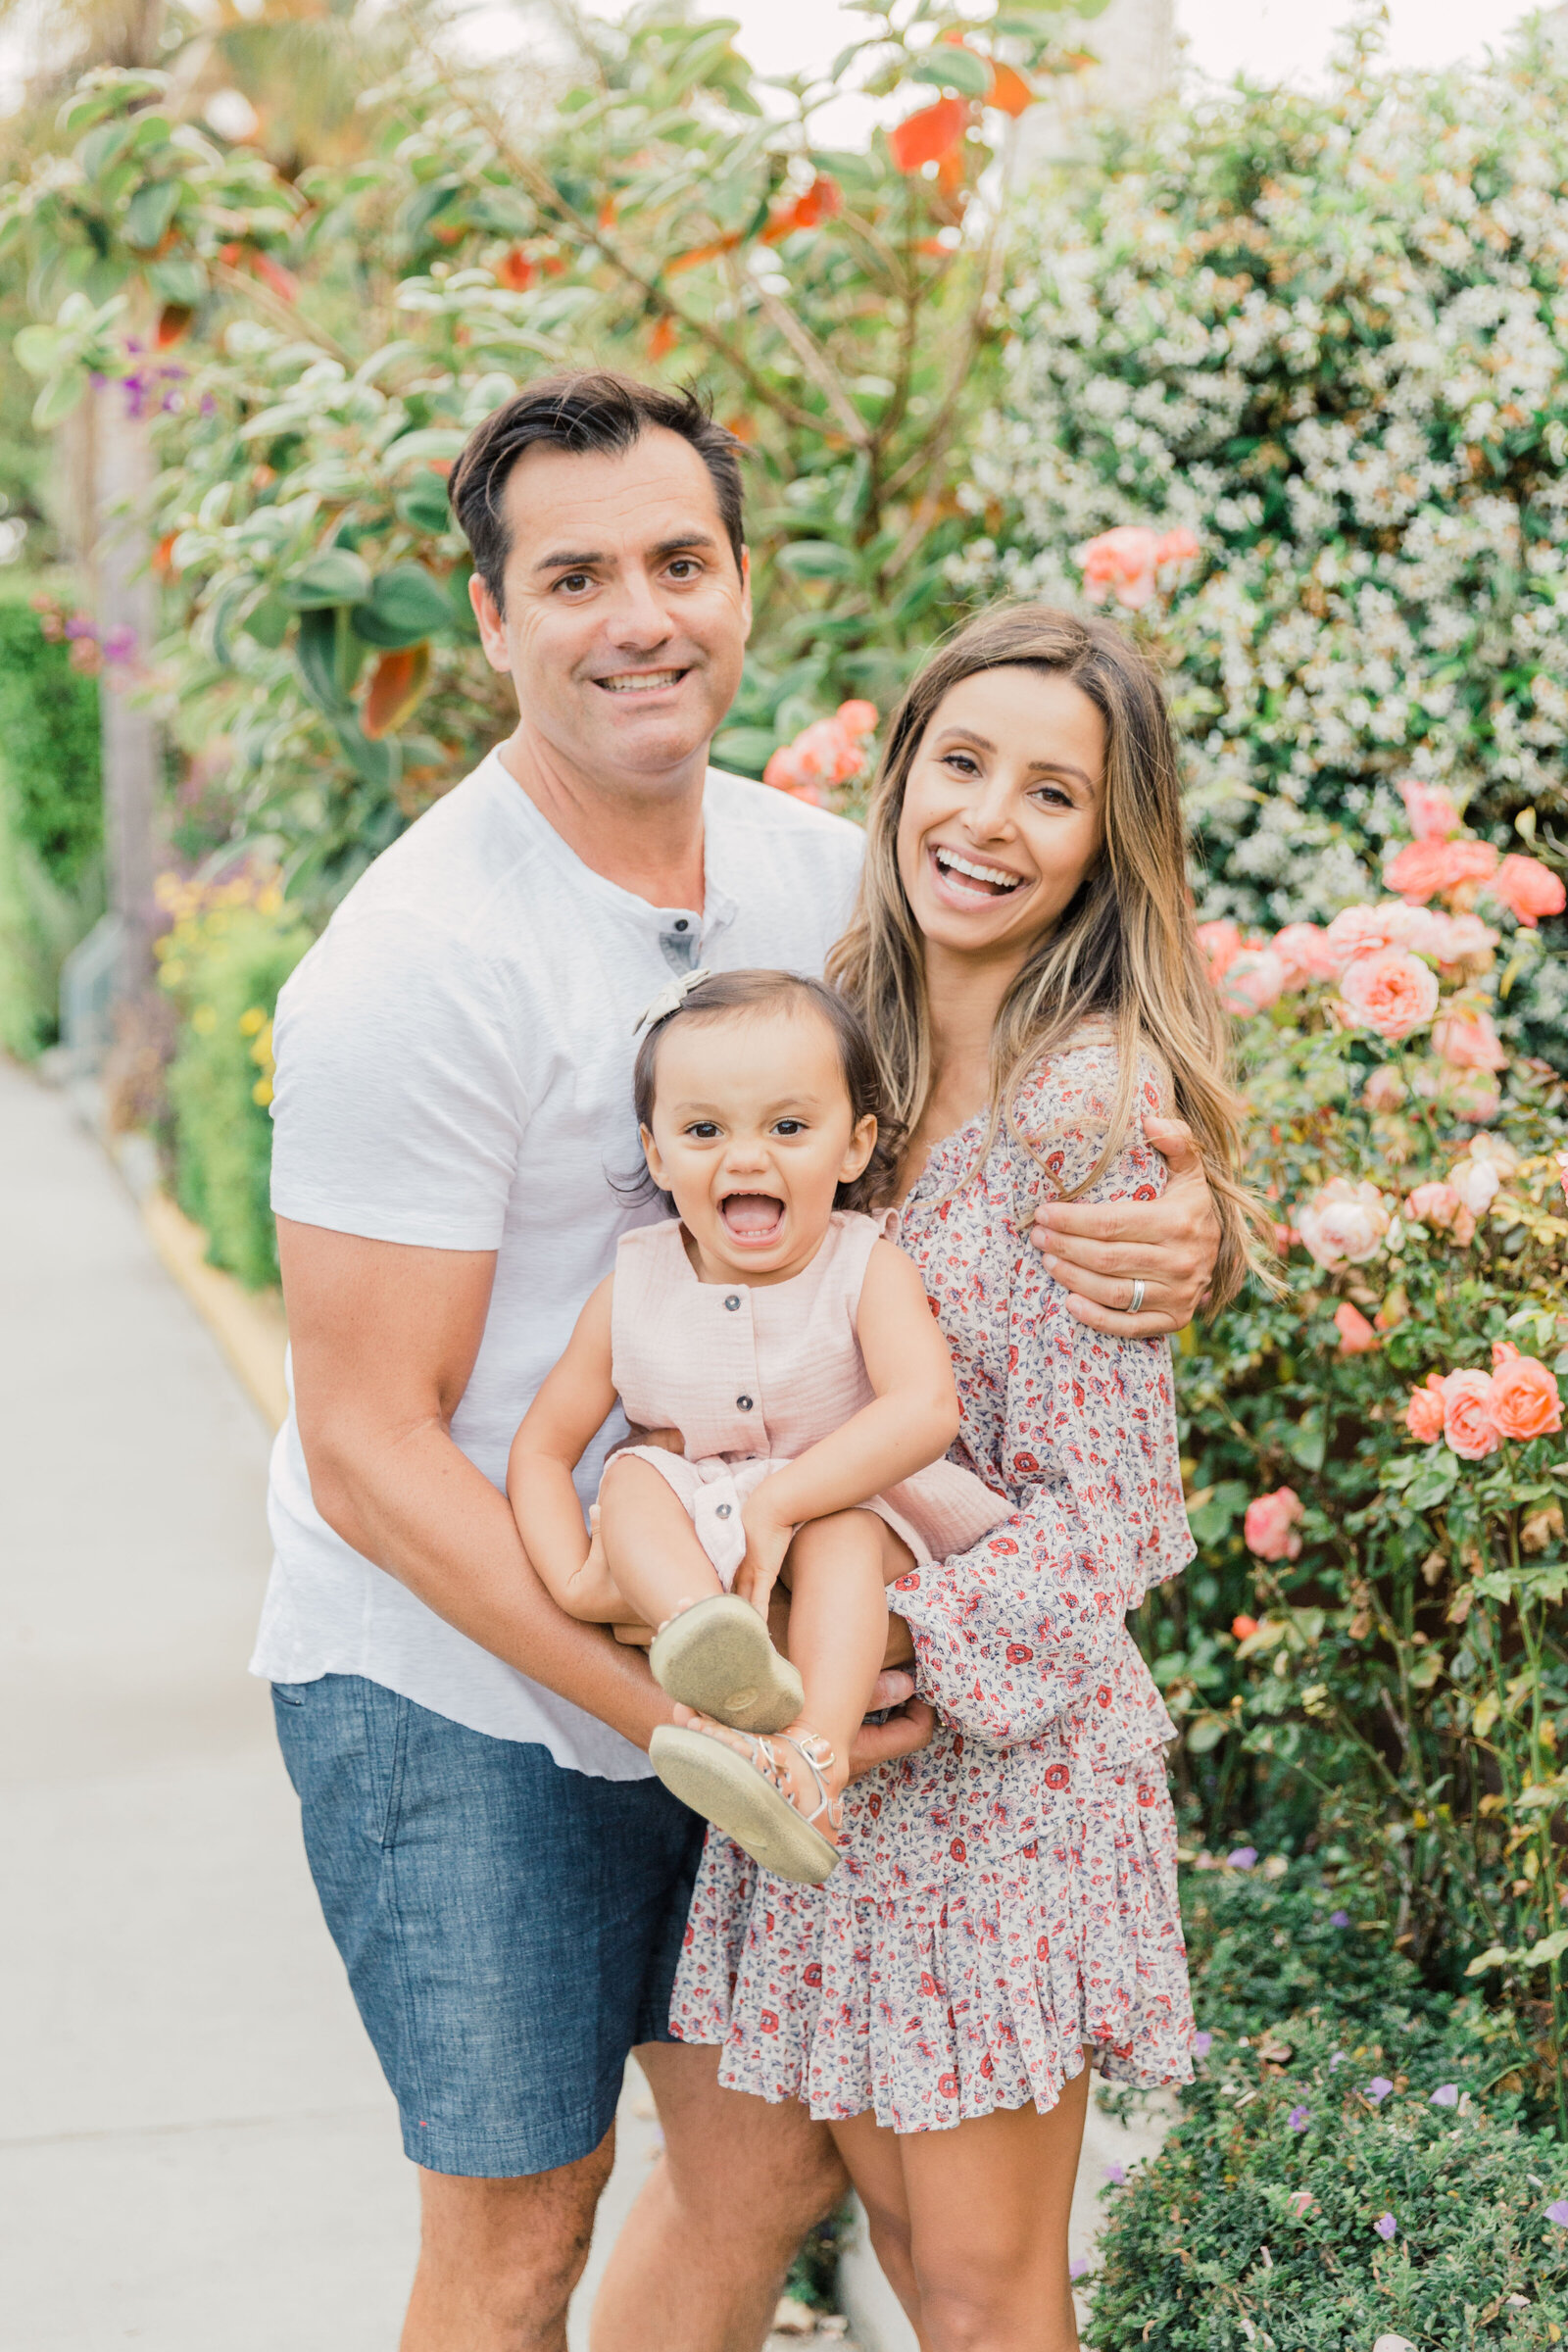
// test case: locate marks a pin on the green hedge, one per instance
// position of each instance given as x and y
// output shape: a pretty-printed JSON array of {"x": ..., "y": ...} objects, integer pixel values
[
  {"x": 229, "y": 952},
  {"x": 1354, "y": 2162},
  {"x": 51, "y": 823}
]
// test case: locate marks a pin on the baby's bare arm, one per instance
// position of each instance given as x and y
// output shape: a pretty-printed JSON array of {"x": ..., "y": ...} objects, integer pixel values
[
  {"x": 911, "y": 1422},
  {"x": 556, "y": 1432}
]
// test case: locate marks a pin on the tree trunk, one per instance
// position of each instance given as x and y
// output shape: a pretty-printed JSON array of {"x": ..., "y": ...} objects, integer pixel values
[{"x": 125, "y": 598}]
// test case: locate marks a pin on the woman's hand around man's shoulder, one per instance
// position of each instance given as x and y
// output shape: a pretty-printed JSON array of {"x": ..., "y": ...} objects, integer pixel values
[{"x": 1158, "y": 1254}]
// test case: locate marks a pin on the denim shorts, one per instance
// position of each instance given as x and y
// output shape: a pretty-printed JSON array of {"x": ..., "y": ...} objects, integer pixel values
[{"x": 509, "y": 1928}]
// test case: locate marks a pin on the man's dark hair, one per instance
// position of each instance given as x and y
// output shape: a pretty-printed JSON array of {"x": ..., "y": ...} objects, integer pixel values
[{"x": 591, "y": 409}]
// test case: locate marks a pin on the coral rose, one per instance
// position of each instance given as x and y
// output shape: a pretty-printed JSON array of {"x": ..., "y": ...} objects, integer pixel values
[
  {"x": 1220, "y": 944},
  {"x": 1303, "y": 949},
  {"x": 1270, "y": 1524},
  {"x": 1527, "y": 889},
  {"x": 1441, "y": 1207},
  {"x": 1392, "y": 993},
  {"x": 1425, "y": 1413},
  {"x": 1429, "y": 811},
  {"x": 1525, "y": 1402},
  {"x": 1461, "y": 939},
  {"x": 1466, "y": 1040},
  {"x": 1124, "y": 564},
  {"x": 1424, "y": 868},
  {"x": 1356, "y": 1335},
  {"x": 1467, "y": 1423},
  {"x": 1392, "y": 923},
  {"x": 1344, "y": 1223},
  {"x": 1253, "y": 981},
  {"x": 1178, "y": 547}
]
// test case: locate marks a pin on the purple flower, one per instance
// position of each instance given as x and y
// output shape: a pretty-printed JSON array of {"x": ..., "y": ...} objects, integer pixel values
[
  {"x": 79, "y": 626},
  {"x": 1339, "y": 1918},
  {"x": 120, "y": 645},
  {"x": 1386, "y": 2226},
  {"x": 1116, "y": 2174},
  {"x": 1202, "y": 2043},
  {"x": 1446, "y": 2094},
  {"x": 1338, "y": 2059},
  {"x": 1378, "y": 2089},
  {"x": 209, "y": 405},
  {"x": 1558, "y": 2213},
  {"x": 1079, "y": 2265},
  {"x": 1243, "y": 1858},
  {"x": 1299, "y": 2117}
]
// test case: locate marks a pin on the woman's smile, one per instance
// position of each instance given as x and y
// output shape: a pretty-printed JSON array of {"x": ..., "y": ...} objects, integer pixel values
[{"x": 967, "y": 881}]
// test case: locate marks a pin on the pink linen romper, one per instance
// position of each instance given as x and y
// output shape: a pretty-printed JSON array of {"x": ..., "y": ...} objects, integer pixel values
[{"x": 751, "y": 1377}]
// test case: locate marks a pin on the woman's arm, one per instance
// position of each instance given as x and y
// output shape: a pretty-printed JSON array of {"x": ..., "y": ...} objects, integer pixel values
[
  {"x": 556, "y": 1430},
  {"x": 912, "y": 1421},
  {"x": 1022, "y": 1625}
]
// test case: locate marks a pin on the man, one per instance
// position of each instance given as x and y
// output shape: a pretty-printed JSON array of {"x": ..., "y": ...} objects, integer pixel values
[{"x": 505, "y": 1882}]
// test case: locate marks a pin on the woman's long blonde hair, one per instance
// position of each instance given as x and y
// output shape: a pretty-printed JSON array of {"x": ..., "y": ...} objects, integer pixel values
[{"x": 1123, "y": 948}]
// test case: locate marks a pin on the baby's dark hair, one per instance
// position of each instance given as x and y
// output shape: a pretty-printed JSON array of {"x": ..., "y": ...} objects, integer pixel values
[{"x": 756, "y": 990}]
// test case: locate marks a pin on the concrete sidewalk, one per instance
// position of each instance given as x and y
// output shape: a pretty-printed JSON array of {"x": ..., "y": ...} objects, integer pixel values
[{"x": 197, "y": 2150}]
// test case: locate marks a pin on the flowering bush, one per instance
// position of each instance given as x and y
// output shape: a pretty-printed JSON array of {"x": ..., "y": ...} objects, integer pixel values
[
  {"x": 1323, "y": 335},
  {"x": 1347, "y": 2170},
  {"x": 230, "y": 948},
  {"x": 1381, "y": 1431}
]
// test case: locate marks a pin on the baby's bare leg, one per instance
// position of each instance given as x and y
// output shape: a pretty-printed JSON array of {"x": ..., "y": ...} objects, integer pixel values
[
  {"x": 838, "y": 1571},
  {"x": 650, "y": 1547}
]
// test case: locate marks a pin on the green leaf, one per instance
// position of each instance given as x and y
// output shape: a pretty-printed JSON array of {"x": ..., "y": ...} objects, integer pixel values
[
  {"x": 1308, "y": 1442},
  {"x": 434, "y": 441},
  {"x": 38, "y": 348},
  {"x": 818, "y": 559},
  {"x": 268, "y": 622},
  {"x": 379, "y": 763},
  {"x": 1217, "y": 1514},
  {"x": 181, "y": 279},
  {"x": 103, "y": 147},
  {"x": 425, "y": 204},
  {"x": 1494, "y": 1958},
  {"x": 1550, "y": 1947},
  {"x": 952, "y": 69},
  {"x": 149, "y": 213},
  {"x": 404, "y": 606},
  {"x": 316, "y": 663},
  {"x": 59, "y": 396},
  {"x": 334, "y": 577},
  {"x": 423, "y": 505},
  {"x": 1433, "y": 1480},
  {"x": 748, "y": 749},
  {"x": 1205, "y": 1731}
]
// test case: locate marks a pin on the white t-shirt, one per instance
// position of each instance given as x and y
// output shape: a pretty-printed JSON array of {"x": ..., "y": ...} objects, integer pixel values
[{"x": 453, "y": 1070}]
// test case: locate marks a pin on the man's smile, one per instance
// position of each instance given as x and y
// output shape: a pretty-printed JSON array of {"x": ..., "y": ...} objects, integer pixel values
[{"x": 641, "y": 681}]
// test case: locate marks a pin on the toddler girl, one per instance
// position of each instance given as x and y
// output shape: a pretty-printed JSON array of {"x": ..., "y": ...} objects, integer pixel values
[{"x": 795, "y": 1353}]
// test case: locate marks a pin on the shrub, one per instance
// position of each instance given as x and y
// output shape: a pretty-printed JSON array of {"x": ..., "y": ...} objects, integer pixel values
[
  {"x": 1326, "y": 333},
  {"x": 229, "y": 950},
  {"x": 51, "y": 823},
  {"x": 1313, "y": 2120}
]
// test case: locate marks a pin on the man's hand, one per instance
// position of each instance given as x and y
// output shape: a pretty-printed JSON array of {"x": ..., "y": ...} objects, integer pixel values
[
  {"x": 1098, "y": 1254},
  {"x": 907, "y": 1729}
]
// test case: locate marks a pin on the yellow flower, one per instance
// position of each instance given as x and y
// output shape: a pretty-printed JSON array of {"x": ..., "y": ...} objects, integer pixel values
[
  {"x": 204, "y": 1020},
  {"x": 261, "y": 1092},
  {"x": 250, "y": 1022}
]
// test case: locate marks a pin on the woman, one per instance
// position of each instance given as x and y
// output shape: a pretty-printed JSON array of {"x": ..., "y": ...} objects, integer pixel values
[{"x": 1005, "y": 1907}]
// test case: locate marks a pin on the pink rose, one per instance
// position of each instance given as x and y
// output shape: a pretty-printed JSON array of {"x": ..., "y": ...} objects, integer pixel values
[
  {"x": 1344, "y": 1223},
  {"x": 1467, "y": 1423},
  {"x": 1525, "y": 1402},
  {"x": 1392, "y": 993},
  {"x": 1441, "y": 1207},
  {"x": 1178, "y": 547},
  {"x": 1466, "y": 1040},
  {"x": 1384, "y": 1089},
  {"x": 1431, "y": 811},
  {"x": 1356, "y": 1335},
  {"x": 1302, "y": 949},
  {"x": 829, "y": 751},
  {"x": 1527, "y": 889},
  {"x": 1462, "y": 939},
  {"x": 1124, "y": 564},
  {"x": 1475, "y": 1182},
  {"x": 1220, "y": 945},
  {"x": 1422, "y": 868},
  {"x": 1253, "y": 981},
  {"x": 1270, "y": 1525},
  {"x": 1425, "y": 1413},
  {"x": 858, "y": 718}
]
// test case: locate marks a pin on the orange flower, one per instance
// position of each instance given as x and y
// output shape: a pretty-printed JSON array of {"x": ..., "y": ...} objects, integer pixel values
[
  {"x": 663, "y": 339},
  {"x": 1525, "y": 1402},
  {"x": 822, "y": 201},
  {"x": 1244, "y": 1628},
  {"x": 515, "y": 270},
  {"x": 1008, "y": 90},
  {"x": 1425, "y": 1412},
  {"x": 1527, "y": 889},
  {"x": 1422, "y": 868},
  {"x": 927, "y": 137},
  {"x": 1356, "y": 1335},
  {"x": 1467, "y": 1422}
]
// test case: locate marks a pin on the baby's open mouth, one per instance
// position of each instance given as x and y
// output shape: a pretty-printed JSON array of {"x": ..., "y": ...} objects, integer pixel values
[
  {"x": 754, "y": 1218},
  {"x": 973, "y": 876}
]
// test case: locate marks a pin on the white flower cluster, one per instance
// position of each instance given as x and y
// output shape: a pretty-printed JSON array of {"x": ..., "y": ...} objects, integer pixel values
[{"x": 1331, "y": 338}]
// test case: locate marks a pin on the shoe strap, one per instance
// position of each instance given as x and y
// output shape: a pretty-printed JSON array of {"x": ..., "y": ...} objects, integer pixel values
[{"x": 815, "y": 1755}]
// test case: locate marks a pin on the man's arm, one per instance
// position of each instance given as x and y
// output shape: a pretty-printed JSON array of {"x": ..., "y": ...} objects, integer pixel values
[
  {"x": 1098, "y": 1253},
  {"x": 384, "y": 1339}
]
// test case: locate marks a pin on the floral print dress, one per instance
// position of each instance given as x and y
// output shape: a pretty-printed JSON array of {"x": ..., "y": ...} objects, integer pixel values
[{"x": 1006, "y": 1899}]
